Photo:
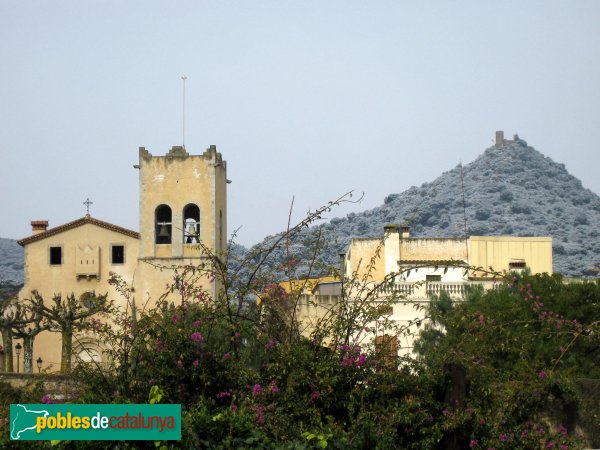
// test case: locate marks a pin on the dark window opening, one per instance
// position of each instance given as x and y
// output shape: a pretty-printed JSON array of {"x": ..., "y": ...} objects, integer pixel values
[
  {"x": 191, "y": 224},
  {"x": 433, "y": 278},
  {"x": 163, "y": 228},
  {"x": 118, "y": 254},
  {"x": 516, "y": 265},
  {"x": 55, "y": 256}
]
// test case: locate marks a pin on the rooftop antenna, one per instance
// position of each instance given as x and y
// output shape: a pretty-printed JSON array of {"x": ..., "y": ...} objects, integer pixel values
[
  {"x": 462, "y": 184},
  {"x": 183, "y": 78}
]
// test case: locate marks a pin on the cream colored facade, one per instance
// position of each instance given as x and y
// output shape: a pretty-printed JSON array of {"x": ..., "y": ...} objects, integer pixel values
[
  {"x": 76, "y": 258},
  {"x": 376, "y": 258},
  {"x": 419, "y": 267},
  {"x": 183, "y": 209},
  {"x": 508, "y": 252}
]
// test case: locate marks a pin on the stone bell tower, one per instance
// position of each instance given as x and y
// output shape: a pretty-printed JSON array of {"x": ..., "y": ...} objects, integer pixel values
[{"x": 183, "y": 207}]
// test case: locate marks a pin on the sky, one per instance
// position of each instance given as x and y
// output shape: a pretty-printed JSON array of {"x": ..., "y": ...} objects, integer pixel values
[{"x": 306, "y": 100}]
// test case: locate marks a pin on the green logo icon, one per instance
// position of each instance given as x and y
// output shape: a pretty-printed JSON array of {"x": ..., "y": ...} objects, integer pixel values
[{"x": 95, "y": 422}]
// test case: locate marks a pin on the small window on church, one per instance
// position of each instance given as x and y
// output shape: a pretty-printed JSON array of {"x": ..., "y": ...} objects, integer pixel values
[
  {"x": 55, "y": 256},
  {"x": 118, "y": 254},
  {"x": 163, "y": 228},
  {"x": 191, "y": 224}
]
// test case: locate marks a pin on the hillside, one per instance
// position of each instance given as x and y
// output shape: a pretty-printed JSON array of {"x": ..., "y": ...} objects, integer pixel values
[
  {"x": 11, "y": 262},
  {"x": 511, "y": 189}
]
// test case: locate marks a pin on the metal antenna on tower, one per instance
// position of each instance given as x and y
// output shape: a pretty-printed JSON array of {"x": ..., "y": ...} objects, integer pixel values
[
  {"x": 462, "y": 184},
  {"x": 183, "y": 137}
]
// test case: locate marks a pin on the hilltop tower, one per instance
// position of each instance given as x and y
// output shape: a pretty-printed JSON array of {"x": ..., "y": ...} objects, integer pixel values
[{"x": 183, "y": 203}]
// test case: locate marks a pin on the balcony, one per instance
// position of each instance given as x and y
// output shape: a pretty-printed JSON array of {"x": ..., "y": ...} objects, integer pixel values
[{"x": 422, "y": 290}]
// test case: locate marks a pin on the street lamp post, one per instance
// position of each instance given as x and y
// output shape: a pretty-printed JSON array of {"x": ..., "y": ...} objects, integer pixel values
[
  {"x": 39, "y": 364},
  {"x": 18, "y": 348}
]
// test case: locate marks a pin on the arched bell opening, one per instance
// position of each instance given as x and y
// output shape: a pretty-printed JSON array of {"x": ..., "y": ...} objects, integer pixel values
[
  {"x": 163, "y": 224},
  {"x": 191, "y": 224}
]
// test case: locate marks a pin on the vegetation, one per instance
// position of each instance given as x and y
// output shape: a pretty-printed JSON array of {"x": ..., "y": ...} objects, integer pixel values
[{"x": 502, "y": 369}]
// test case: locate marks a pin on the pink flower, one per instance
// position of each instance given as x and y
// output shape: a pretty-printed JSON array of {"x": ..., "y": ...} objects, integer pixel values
[
  {"x": 234, "y": 407},
  {"x": 197, "y": 323},
  {"x": 315, "y": 395},
  {"x": 174, "y": 319},
  {"x": 473, "y": 443},
  {"x": 227, "y": 356},
  {"x": 273, "y": 387},
  {"x": 542, "y": 375},
  {"x": 347, "y": 361},
  {"x": 562, "y": 430},
  {"x": 47, "y": 399},
  {"x": 196, "y": 363},
  {"x": 260, "y": 418},
  {"x": 361, "y": 360},
  {"x": 550, "y": 444},
  {"x": 503, "y": 437},
  {"x": 197, "y": 337},
  {"x": 256, "y": 390}
]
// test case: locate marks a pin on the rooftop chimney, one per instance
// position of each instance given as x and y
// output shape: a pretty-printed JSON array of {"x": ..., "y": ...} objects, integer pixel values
[
  {"x": 405, "y": 232},
  {"x": 38, "y": 226},
  {"x": 392, "y": 228},
  {"x": 391, "y": 248}
]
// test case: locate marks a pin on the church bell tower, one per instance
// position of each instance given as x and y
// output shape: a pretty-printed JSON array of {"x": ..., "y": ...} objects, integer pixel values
[{"x": 183, "y": 207}]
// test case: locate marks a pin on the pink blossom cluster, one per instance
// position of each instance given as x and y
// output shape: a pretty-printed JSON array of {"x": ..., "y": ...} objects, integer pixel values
[
  {"x": 275, "y": 291},
  {"x": 352, "y": 356},
  {"x": 197, "y": 337},
  {"x": 270, "y": 344}
]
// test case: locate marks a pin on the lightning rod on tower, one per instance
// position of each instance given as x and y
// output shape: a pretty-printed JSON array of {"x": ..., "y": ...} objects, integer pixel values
[{"x": 183, "y": 78}]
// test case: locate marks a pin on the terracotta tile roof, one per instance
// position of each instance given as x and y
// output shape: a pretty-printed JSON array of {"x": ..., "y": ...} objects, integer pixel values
[{"x": 77, "y": 223}]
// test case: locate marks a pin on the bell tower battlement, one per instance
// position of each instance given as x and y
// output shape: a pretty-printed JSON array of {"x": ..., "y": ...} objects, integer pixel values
[{"x": 182, "y": 202}]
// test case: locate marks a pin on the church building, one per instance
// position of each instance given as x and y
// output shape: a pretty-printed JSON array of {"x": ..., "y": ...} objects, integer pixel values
[{"x": 183, "y": 218}]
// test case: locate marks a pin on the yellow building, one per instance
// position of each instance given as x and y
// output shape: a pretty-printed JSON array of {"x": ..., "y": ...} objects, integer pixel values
[
  {"x": 183, "y": 214},
  {"x": 374, "y": 259},
  {"x": 413, "y": 268}
]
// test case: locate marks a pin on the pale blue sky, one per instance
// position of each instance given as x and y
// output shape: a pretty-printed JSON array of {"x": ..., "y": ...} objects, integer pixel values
[{"x": 306, "y": 99}]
